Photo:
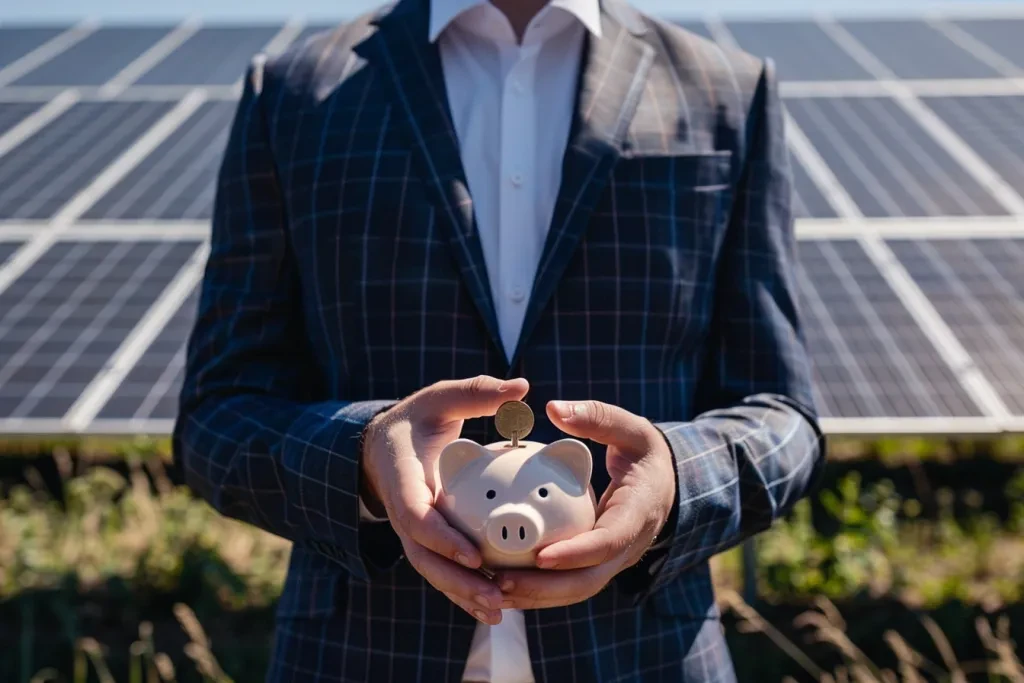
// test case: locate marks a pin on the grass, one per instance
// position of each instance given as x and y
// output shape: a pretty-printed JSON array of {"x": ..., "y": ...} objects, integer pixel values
[{"x": 151, "y": 537}]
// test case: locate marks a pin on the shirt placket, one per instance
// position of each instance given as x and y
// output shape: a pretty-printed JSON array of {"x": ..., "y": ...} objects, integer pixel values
[{"x": 517, "y": 187}]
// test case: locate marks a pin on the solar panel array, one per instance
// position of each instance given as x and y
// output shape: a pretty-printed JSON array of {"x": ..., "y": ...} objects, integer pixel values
[{"x": 907, "y": 140}]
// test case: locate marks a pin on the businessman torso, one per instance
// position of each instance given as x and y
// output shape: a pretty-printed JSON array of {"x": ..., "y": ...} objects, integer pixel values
[{"x": 381, "y": 268}]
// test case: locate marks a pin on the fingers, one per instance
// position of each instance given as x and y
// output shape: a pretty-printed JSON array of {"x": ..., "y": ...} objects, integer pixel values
[
  {"x": 611, "y": 540},
  {"x": 413, "y": 515},
  {"x": 486, "y": 616},
  {"x": 468, "y": 398},
  {"x": 538, "y": 589},
  {"x": 603, "y": 423},
  {"x": 468, "y": 589}
]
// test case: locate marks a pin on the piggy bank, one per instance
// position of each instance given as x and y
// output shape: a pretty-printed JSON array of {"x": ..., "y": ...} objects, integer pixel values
[{"x": 512, "y": 501}]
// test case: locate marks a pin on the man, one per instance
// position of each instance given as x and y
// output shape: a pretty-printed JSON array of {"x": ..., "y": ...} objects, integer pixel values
[{"x": 462, "y": 203}]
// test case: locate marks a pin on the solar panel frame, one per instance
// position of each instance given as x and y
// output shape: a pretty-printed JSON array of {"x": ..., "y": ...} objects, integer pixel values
[
  {"x": 97, "y": 58},
  {"x": 934, "y": 55},
  {"x": 870, "y": 358},
  {"x": 994, "y": 126},
  {"x": 43, "y": 173},
  {"x": 886, "y": 162},
  {"x": 977, "y": 285},
  {"x": 214, "y": 55},
  {"x": 13, "y": 113},
  {"x": 1001, "y": 35},
  {"x": 177, "y": 180},
  {"x": 789, "y": 43},
  {"x": 150, "y": 390},
  {"x": 64, "y": 317},
  {"x": 18, "y": 41}
]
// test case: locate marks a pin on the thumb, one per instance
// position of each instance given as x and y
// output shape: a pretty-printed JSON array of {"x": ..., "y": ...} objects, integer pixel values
[
  {"x": 468, "y": 398},
  {"x": 601, "y": 422}
]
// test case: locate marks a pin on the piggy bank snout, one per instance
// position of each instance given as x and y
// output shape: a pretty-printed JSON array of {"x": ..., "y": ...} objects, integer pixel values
[{"x": 514, "y": 529}]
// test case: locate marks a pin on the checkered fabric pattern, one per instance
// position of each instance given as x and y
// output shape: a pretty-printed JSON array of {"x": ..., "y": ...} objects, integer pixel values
[{"x": 346, "y": 272}]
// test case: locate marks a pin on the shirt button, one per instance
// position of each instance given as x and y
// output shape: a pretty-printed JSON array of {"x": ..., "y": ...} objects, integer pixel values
[
  {"x": 517, "y": 179},
  {"x": 518, "y": 295},
  {"x": 517, "y": 85}
]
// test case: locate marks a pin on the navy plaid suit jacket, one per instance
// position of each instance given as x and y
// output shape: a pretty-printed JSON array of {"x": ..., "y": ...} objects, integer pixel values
[{"x": 346, "y": 272}]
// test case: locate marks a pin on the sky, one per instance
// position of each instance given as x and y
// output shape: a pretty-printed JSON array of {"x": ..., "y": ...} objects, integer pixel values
[{"x": 19, "y": 11}]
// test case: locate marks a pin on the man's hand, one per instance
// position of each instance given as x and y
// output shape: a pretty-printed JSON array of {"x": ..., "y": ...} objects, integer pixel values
[
  {"x": 400, "y": 452},
  {"x": 631, "y": 513}
]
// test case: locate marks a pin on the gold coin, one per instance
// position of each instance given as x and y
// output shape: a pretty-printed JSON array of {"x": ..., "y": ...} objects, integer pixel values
[{"x": 514, "y": 420}]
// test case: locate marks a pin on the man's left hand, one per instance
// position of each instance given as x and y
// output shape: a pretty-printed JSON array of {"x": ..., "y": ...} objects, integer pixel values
[{"x": 630, "y": 514}]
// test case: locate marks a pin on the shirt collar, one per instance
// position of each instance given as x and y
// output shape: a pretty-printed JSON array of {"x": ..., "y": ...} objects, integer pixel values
[{"x": 444, "y": 12}]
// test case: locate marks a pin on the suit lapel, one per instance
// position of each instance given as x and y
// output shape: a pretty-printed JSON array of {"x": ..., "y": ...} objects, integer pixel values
[
  {"x": 614, "y": 72},
  {"x": 412, "y": 67}
]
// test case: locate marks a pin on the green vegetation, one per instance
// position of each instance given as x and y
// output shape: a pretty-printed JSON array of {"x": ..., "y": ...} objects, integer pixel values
[{"x": 111, "y": 578}]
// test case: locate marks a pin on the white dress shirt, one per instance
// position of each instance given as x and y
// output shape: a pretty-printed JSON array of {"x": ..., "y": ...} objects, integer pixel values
[{"x": 512, "y": 106}]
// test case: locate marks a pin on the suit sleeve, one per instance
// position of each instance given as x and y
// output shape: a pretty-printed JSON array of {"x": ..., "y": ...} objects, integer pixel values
[
  {"x": 251, "y": 437},
  {"x": 755, "y": 448}
]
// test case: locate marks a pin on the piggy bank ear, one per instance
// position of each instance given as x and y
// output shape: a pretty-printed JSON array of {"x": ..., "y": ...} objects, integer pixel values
[
  {"x": 456, "y": 456},
  {"x": 574, "y": 456}
]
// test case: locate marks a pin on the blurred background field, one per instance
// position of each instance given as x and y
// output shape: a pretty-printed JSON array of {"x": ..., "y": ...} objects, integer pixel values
[
  {"x": 909, "y": 560},
  {"x": 907, "y": 138}
]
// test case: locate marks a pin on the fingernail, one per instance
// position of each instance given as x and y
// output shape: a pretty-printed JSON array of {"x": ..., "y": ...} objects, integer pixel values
[
  {"x": 480, "y": 615},
  {"x": 507, "y": 585},
  {"x": 503, "y": 387},
  {"x": 482, "y": 601},
  {"x": 562, "y": 409},
  {"x": 463, "y": 560},
  {"x": 546, "y": 564}
]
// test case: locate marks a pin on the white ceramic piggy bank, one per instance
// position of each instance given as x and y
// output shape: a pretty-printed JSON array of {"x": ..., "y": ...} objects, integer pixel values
[{"x": 512, "y": 501}]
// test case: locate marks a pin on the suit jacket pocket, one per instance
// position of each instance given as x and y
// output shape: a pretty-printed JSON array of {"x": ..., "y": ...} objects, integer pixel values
[{"x": 683, "y": 172}]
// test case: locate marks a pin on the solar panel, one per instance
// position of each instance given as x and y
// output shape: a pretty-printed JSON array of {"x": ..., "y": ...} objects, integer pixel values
[
  {"x": 43, "y": 173},
  {"x": 801, "y": 50},
  {"x": 889, "y": 165},
  {"x": 1002, "y": 35},
  {"x": 992, "y": 126},
  {"x": 16, "y": 42},
  {"x": 808, "y": 201},
  {"x": 913, "y": 49},
  {"x": 12, "y": 113},
  {"x": 870, "y": 358},
  {"x": 63, "y": 318},
  {"x": 978, "y": 287},
  {"x": 96, "y": 59},
  {"x": 61, "y": 321},
  {"x": 211, "y": 56},
  {"x": 177, "y": 180},
  {"x": 150, "y": 391},
  {"x": 7, "y": 250}
]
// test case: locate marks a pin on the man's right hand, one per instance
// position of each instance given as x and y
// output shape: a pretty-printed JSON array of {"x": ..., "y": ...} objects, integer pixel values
[{"x": 400, "y": 452}]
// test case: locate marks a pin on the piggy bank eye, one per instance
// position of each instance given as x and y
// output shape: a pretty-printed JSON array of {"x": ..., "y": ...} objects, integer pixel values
[
  {"x": 542, "y": 492},
  {"x": 491, "y": 494}
]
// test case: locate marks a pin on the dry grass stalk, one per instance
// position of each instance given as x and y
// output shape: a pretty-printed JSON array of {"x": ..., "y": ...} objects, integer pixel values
[
  {"x": 910, "y": 660},
  {"x": 1007, "y": 662},
  {"x": 95, "y": 653},
  {"x": 828, "y": 625},
  {"x": 956, "y": 674},
  {"x": 756, "y": 623},
  {"x": 165, "y": 667},
  {"x": 199, "y": 650},
  {"x": 46, "y": 675}
]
